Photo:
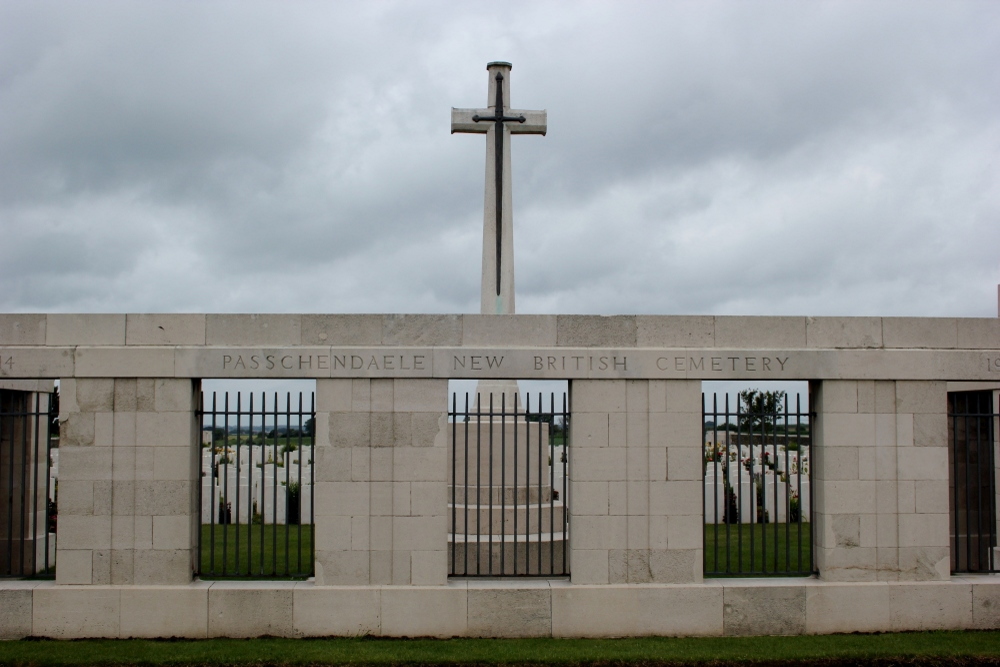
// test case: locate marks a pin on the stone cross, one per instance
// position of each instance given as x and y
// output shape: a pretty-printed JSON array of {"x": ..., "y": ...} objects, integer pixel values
[{"x": 498, "y": 122}]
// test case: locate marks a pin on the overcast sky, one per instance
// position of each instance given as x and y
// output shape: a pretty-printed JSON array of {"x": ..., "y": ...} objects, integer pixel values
[{"x": 807, "y": 158}]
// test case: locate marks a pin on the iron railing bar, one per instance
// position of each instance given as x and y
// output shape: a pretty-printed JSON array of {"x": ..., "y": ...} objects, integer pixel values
[
  {"x": 565, "y": 485},
  {"x": 514, "y": 499},
  {"x": 503, "y": 481},
  {"x": 968, "y": 500},
  {"x": 465, "y": 492},
  {"x": 9, "y": 566},
  {"x": 53, "y": 415},
  {"x": 552, "y": 490}
]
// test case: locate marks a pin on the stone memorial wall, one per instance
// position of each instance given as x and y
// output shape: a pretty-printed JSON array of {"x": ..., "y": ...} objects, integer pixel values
[{"x": 130, "y": 471}]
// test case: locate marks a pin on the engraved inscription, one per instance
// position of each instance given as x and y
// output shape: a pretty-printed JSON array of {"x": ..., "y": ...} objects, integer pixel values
[
  {"x": 580, "y": 363},
  {"x": 749, "y": 364},
  {"x": 993, "y": 364},
  {"x": 6, "y": 364},
  {"x": 380, "y": 362},
  {"x": 477, "y": 362},
  {"x": 270, "y": 362}
]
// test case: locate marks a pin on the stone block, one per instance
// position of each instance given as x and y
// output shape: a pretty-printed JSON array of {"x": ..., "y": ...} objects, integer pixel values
[
  {"x": 165, "y": 429},
  {"x": 763, "y": 332},
  {"x": 675, "y": 331},
  {"x": 930, "y": 430},
  {"x": 341, "y": 330},
  {"x": 15, "y": 612},
  {"x": 509, "y": 330},
  {"x": 165, "y": 611},
  {"x": 589, "y": 566},
  {"x": 596, "y": 331},
  {"x": 426, "y": 429},
  {"x": 417, "y": 611},
  {"x": 84, "y": 532},
  {"x": 174, "y": 395},
  {"x": 430, "y": 330},
  {"x": 927, "y": 465},
  {"x": 334, "y": 395},
  {"x": 75, "y": 329},
  {"x": 342, "y": 498},
  {"x": 848, "y": 430},
  {"x": 675, "y": 498},
  {"x": 921, "y": 397},
  {"x": 350, "y": 429},
  {"x": 147, "y": 362},
  {"x": 675, "y": 429},
  {"x": 844, "y": 607},
  {"x": 503, "y": 610},
  {"x": 429, "y": 568},
  {"x": 760, "y": 607},
  {"x": 924, "y": 563},
  {"x": 420, "y": 395},
  {"x": 847, "y": 563},
  {"x": 161, "y": 566},
  {"x": 76, "y": 566},
  {"x": 65, "y": 612},
  {"x": 401, "y": 568},
  {"x": 335, "y": 612},
  {"x": 985, "y": 603},
  {"x": 247, "y": 610},
  {"x": 844, "y": 332},
  {"x": 930, "y": 606},
  {"x": 236, "y": 330},
  {"x": 977, "y": 333},
  {"x": 597, "y": 396},
  {"x": 683, "y": 464},
  {"x": 341, "y": 568},
  {"x": 684, "y": 532},
  {"x": 419, "y": 533},
  {"x": 22, "y": 329},
  {"x": 620, "y": 611},
  {"x": 188, "y": 329},
  {"x": 838, "y": 396},
  {"x": 590, "y": 430},
  {"x": 419, "y": 464},
  {"x": 102, "y": 567},
  {"x": 593, "y": 464},
  {"x": 172, "y": 532},
  {"x": 841, "y": 463},
  {"x": 333, "y": 533},
  {"x": 919, "y": 332}
]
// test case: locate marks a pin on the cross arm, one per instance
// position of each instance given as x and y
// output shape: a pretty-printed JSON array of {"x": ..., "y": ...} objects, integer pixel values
[
  {"x": 461, "y": 120},
  {"x": 535, "y": 122}
]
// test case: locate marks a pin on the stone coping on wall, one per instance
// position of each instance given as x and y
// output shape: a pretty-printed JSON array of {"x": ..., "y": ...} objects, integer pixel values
[
  {"x": 499, "y": 346},
  {"x": 517, "y": 608}
]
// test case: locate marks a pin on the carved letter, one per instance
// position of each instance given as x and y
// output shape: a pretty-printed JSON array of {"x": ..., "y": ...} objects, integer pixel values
[{"x": 782, "y": 362}]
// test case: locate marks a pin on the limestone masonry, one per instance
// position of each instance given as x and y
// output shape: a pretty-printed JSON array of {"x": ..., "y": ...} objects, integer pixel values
[{"x": 130, "y": 473}]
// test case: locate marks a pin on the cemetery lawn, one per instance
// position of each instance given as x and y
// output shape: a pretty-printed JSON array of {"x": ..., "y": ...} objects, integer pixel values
[
  {"x": 916, "y": 648},
  {"x": 284, "y": 555},
  {"x": 782, "y": 551}
]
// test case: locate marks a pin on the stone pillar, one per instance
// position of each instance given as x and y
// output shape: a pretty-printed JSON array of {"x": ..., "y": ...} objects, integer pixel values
[
  {"x": 880, "y": 476},
  {"x": 381, "y": 478},
  {"x": 635, "y": 481},
  {"x": 128, "y": 481}
]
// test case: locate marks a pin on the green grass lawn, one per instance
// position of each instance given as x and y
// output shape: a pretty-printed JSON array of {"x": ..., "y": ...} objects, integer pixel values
[
  {"x": 931, "y": 648},
  {"x": 756, "y": 549},
  {"x": 283, "y": 555}
]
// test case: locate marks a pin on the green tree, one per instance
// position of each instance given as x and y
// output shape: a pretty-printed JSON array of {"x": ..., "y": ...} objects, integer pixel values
[{"x": 759, "y": 410}]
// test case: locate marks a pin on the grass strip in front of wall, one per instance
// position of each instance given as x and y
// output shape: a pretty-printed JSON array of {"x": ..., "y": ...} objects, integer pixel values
[{"x": 916, "y": 648}]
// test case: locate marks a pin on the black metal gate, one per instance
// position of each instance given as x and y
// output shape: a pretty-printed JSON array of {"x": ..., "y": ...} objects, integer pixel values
[
  {"x": 508, "y": 472},
  {"x": 257, "y": 518},
  {"x": 27, "y": 492},
  {"x": 757, "y": 491},
  {"x": 972, "y": 439}
]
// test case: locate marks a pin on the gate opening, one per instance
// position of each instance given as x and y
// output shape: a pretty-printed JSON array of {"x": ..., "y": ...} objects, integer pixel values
[
  {"x": 257, "y": 508},
  {"x": 973, "y": 419},
  {"x": 757, "y": 492},
  {"x": 29, "y": 412},
  {"x": 508, "y": 471}
]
